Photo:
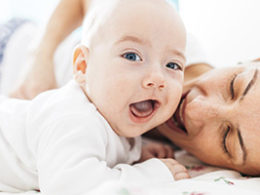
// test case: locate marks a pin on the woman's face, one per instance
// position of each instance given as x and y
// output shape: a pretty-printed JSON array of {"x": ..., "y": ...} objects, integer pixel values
[{"x": 218, "y": 119}]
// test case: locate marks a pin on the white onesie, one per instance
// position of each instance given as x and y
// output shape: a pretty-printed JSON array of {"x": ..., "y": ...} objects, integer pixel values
[{"x": 59, "y": 143}]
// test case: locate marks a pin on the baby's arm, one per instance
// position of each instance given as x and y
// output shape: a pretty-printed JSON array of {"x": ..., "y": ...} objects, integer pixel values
[{"x": 70, "y": 159}]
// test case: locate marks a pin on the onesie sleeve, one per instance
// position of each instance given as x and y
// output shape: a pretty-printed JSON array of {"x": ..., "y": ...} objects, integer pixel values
[
  {"x": 152, "y": 171},
  {"x": 70, "y": 159}
]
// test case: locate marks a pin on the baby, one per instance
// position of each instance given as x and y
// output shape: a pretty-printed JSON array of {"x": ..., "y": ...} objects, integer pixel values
[{"x": 128, "y": 76}]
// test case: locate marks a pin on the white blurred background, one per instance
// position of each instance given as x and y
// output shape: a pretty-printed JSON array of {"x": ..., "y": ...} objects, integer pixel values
[
  {"x": 229, "y": 30},
  {"x": 36, "y": 10}
]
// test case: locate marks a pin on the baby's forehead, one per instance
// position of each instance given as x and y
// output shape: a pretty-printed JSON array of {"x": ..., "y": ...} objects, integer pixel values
[
  {"x": 132, "y": 12},
  {"x": 118, "y": 15},
  {"x": 109, "y": 9}
]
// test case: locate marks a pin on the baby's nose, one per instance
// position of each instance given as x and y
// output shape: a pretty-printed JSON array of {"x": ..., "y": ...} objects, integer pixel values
[{"x": 154, "y": 80}]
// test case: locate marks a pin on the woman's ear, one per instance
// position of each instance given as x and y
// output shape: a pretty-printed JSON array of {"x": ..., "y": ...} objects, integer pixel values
[{"x": 80, "y": 58}]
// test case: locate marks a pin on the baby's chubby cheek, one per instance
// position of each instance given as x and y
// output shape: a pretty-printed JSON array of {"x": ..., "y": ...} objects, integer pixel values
[
  {"x": 174, "y": 95},
  {"x": 170, "y": 104}
]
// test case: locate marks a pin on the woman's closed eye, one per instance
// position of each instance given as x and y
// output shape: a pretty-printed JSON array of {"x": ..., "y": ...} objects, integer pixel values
[
  {"x": 224, "y": 144},
  {"x": 131, "y": 56},
  {"x": 174, "y": 66}
]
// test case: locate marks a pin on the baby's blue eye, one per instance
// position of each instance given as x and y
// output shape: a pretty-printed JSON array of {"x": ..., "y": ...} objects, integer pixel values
[
  {"x": 132, "y": 56},
  {"x": 174, "y": 66}
]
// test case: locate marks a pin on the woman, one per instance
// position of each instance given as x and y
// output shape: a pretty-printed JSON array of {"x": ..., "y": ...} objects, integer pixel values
[{"x": 217, "y": 118}]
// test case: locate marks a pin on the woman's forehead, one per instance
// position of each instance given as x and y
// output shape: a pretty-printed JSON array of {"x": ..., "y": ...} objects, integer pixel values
[
  {"x": 245, "y": 66},
  {"x": 250, "y": 63}
]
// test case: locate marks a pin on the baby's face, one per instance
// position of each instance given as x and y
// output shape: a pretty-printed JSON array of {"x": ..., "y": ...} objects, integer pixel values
[{"x": 134, "y": 72}]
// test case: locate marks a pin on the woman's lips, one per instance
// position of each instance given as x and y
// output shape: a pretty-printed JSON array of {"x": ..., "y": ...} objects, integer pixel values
[
  {"x": 176, "y": 122},
  {"x": 143, "y": 111}
]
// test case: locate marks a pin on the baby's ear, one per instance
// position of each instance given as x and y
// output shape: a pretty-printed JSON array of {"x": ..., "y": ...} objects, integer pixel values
[{"x": 80, "y": 57}]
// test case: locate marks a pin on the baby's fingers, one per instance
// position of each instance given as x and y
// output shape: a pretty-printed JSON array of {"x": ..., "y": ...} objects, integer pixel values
[
  {"x": 157, "y": 150},
  {"x": 164, "y": 151},
  {"x": 169, "y": 152},
  {"x": 179, "y": 172},
  {"x": 181, "y": 175}
]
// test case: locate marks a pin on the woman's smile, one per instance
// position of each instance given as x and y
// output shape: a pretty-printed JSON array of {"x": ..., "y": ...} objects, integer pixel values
[{"x": 176, "y": 122}]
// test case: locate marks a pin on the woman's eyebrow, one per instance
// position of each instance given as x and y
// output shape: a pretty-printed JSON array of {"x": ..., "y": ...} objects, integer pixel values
[{"x": 250, "y": 84}]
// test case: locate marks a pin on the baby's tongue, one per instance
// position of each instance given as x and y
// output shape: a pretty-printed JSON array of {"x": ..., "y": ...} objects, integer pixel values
[{"x": 142, "y": 109}]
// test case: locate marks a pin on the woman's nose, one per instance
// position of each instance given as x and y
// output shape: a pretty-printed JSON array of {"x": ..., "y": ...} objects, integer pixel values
[
  {"x": 154, "y": 79},
  {"x": 201, "y": 111}
]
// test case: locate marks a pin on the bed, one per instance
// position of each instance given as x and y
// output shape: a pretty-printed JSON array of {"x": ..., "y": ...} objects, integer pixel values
[{"x": 206, "y": 180}]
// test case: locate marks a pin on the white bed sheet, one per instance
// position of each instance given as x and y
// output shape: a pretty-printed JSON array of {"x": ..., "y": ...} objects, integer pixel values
[{"x": 206, "y": 180}]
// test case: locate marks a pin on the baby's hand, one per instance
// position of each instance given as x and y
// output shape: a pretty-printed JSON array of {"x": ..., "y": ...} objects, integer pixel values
[
  {"x": 156, "y": 150},
  {"x": 178, "y": 170}
]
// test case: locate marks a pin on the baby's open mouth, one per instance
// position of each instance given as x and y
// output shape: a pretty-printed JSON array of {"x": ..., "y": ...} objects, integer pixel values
[{"x": 143, "y": 110}]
